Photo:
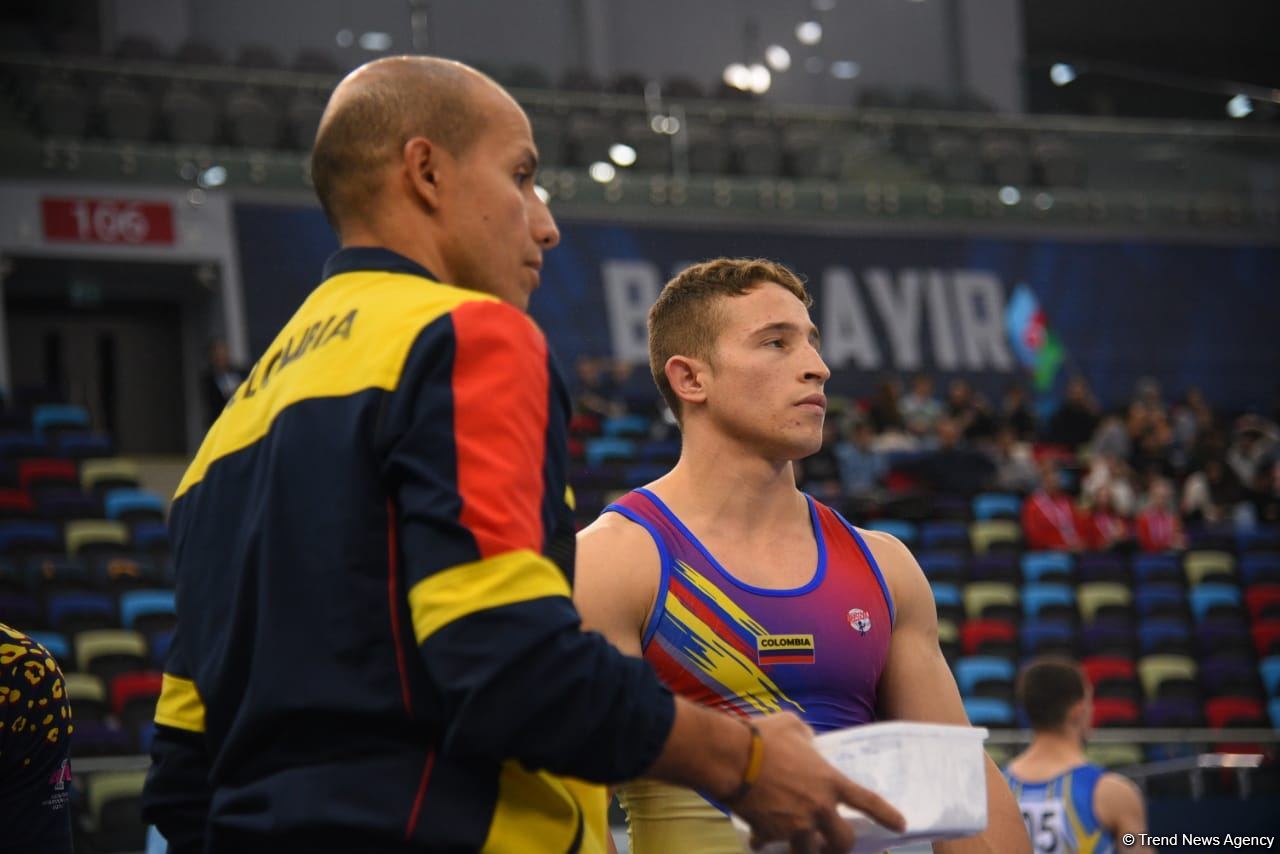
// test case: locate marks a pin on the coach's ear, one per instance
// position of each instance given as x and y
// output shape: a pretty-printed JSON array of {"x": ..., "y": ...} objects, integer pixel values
[
  {"x": 687, "y": 377},
  {"x": 422, "y": 162}
]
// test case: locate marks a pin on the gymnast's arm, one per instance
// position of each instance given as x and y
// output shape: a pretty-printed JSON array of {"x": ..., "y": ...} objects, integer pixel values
[
  {"x": 917, "y": 685},
  {"x": 616, "y": 580}
]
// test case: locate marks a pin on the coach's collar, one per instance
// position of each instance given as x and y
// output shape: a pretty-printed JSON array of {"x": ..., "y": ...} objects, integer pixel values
[{"x": 373, "y": 258}]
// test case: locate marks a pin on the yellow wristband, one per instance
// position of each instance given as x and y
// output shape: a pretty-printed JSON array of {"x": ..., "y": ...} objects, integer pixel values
[{"x": 755, "y": 761}]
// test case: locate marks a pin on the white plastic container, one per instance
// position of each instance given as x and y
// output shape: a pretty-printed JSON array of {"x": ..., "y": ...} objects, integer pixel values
[{"x": 934, "y": 774}]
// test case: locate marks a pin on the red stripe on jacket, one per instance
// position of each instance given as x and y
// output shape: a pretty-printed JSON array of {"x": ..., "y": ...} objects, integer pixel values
[{"x": 500, "y": 399}]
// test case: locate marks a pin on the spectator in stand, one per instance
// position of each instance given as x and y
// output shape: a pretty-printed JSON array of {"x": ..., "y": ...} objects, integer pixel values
[
  {"x": 1147, "y": 392},
  {"x": 1253, "y": 449},
  {"x": 1017, "y": 412},
  {"x": 1049, "y": 518},
  {"x": 1112, "y": 475},
  {"x": 1210, "y": 496},
  {"x": 1105, "y": 528},
  {"x": 1265, "y": 499},
  {"x": 1153, "y": 455},
  {"x": 1159, "y": 528},
  {"x": 969, "y": 411},
  {"x": 1111, "y": 439},
  {"x": 862, "y": 467},
  {"x": 1186, "y": 422},
  {"x": 884, "y": 408},
  {"x": 1074, "y": 422},
  {"x": 953, "y": 468},
  {"x": 595, "y": 394},
  {"x": 1015, "y": 467},
  {"x": 920, "y": 409},
  {"x": 219, "y": 381}
]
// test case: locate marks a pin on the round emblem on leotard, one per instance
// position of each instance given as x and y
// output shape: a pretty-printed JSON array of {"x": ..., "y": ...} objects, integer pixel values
[{"x": 860, "y": 620}]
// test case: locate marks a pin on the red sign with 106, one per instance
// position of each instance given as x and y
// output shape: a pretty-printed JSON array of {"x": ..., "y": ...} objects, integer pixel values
[{"x": 116, "y": 221}]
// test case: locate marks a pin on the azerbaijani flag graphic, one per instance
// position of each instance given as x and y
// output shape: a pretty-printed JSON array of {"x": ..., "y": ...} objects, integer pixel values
[{"x": 1037, "y": 348}]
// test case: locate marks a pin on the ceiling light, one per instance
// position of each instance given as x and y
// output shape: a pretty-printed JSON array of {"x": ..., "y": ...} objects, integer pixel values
[
  {"x": 602, "y": 172},
  {"x": 761, "y": 79},
  {"x": 622, "y": 154},
  {"x": 737, "y": 76},
  {"x": 375, "y": 41},
  {"x": 214, "y": 176},
  {"x": 1061, "y": 74},
  {"x": 808, "y": 32},
  {"x": 778, "y": 57},
  {"x": 1239, "y": 106},
  {"x": 845, "y": 69},
  {"x": 541, "y": 192},
  {"x": 1010, "y": 195},
  {"x": 345, "y": 38}
]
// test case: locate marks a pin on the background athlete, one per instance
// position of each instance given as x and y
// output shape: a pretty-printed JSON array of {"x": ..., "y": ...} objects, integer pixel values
[
  {"x": 742, "y": 592},
  {"x": 1068, "y": 804}
]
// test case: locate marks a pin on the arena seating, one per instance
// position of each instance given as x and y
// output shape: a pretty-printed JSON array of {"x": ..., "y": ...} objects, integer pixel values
[{"x": 1167, "y": 640}]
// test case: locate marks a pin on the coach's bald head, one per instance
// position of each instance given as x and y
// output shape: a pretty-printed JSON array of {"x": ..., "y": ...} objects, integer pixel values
[
  {"x": 379, "y": 107},
  {"x": 434, "y": 160}
]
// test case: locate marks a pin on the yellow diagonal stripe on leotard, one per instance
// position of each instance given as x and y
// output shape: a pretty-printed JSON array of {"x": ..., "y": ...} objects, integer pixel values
[
  {"x": 723, "y": 663},
  {"x": 705, "y": 587}
]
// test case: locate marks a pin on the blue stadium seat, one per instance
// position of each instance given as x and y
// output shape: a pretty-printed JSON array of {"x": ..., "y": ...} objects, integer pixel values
[
  {"x": 974, "y": 669},
  {"x": 665, "y": 450},
  {"x": 14, "y": 444},
  {"x": 1260, "y": 566},
  {"x": 996, "y": 505},
  {"x": 1164, "y": 636},
  {"x": 1211, "y": 594},
  {"x": 1269, "y": 670},
  {"x": 74, "y": 612},
  {"x": 52, "y": 417},
  {"x": 138, "y": 604},
  {"x": 1158, "y": 567},
  {"x": 1106, "y": 638},
  {"x": 944, "y": 535},
  {"x": 989, "y": 711},
  {"x": 130, "y": 505},
  {"x": 626, "y": 425},
  {"x": 598, "y": 451},
  {"x": 1036, "y": 597},
  {"x": 151, "y": 536},
  {"x": 1101, "y": 566},
  {"x": 26, "y": 537},
  {"x": 1036, "y": 565},
  {"x": 66, "y": 503},
  {"x": 57, "y": 644},
  {"x": 942, "y": 566},
  {"x": 639, "y": 474},
  {"x": 1258, "y": 539},
  {"x": 903, "y": 530},
  {"x": 1036, "y": 635},
  {"x": 1165, "y": 598},
  {"x": 947, "y": 595},
  {"x": 83, "y": 445}
]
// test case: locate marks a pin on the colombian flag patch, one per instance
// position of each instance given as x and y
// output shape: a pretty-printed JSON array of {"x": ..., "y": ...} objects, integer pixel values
[{"x": 784, "y": 649}]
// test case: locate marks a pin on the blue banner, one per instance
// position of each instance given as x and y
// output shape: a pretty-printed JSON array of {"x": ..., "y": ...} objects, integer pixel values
[{"x": 1188, "y": 315}]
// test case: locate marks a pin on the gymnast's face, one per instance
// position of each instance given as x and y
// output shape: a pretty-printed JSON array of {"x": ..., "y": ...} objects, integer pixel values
[
  {"x": 497, "y": 227},
  {"x": 765, "y": 379}
]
